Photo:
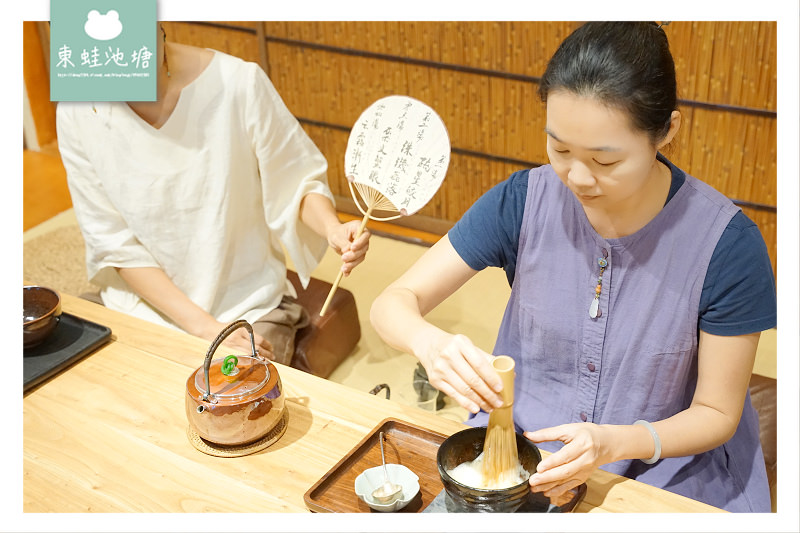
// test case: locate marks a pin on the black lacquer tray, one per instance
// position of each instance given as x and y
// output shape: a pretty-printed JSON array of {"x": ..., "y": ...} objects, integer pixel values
[{"x": 73, "y": 339}]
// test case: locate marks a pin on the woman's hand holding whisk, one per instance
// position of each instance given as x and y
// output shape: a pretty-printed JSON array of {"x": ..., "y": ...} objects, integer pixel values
[{"x": 464, "y": 372}]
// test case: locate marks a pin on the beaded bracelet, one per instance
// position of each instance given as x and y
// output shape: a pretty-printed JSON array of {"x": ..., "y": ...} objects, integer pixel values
[{"x": 656, "y": 441}]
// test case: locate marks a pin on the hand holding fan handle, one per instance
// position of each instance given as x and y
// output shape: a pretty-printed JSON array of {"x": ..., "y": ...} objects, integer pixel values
[{"x": 339, "y": 276}]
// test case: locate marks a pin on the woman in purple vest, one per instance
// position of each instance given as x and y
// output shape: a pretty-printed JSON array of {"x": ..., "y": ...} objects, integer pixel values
[{"x": 638, "y": 292}]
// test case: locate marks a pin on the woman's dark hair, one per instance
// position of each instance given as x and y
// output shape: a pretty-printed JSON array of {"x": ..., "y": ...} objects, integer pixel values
[{"x": 625, "y": 65}]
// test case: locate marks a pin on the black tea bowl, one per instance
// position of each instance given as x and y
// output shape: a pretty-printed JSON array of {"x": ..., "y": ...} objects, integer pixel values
[
  {"x": 465, "y": 446},
  {"x": 41, "y": 311}
]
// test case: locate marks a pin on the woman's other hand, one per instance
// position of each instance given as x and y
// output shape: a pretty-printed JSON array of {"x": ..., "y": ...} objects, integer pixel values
[
  {"x": 153, "y": 285},
  {"x": 342, "y": 238},
  {"x": 585, "y": 448}
]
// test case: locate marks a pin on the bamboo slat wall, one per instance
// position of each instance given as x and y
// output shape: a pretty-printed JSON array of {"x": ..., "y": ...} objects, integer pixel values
[{"x": 481, "y": 77}]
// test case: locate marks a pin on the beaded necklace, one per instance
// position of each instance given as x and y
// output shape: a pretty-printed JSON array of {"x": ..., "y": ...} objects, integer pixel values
[{"x": 594, "y": 308}]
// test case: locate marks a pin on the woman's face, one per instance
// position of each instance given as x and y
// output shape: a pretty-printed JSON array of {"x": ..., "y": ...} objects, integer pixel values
[{"x": 596, "y": 152}]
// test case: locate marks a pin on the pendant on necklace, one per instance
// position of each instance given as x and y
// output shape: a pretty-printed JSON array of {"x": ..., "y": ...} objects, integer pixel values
[{"x": 594, "y": 307}]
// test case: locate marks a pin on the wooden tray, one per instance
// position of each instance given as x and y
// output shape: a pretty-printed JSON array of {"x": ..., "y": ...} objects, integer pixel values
[{"x": 405, "y": 444}]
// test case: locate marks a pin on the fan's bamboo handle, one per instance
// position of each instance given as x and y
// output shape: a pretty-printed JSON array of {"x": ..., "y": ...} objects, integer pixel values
[
  {"x": 504, "y": 366},
  {"x": 339, "y": 276}
]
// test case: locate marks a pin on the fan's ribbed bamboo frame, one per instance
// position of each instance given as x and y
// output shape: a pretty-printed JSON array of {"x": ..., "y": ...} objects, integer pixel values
[{"x": 374, "y": 200}]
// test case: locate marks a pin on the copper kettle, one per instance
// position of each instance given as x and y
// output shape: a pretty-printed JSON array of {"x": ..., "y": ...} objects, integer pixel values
[{"x": 235, "y": 400}]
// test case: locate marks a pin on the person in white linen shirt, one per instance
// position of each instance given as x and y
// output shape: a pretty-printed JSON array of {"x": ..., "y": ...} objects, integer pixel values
[{"x": 187, "y": 204}]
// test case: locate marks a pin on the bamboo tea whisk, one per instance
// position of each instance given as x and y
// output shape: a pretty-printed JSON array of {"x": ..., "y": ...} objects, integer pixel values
[{"x": 500, "y": 457}]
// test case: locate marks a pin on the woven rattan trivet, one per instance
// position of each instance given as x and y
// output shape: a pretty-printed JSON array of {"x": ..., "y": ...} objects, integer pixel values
[{"x": 219, "y": 450}]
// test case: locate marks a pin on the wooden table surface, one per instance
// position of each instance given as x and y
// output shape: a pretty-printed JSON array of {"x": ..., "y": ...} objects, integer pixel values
[{"x": 109, "y": 435}]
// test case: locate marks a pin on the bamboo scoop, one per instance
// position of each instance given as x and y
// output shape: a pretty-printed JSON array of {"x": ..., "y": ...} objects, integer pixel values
[{"x": 388, "y": 492}]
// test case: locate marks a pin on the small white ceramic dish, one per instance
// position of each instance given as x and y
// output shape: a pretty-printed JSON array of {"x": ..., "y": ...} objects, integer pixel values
[{"x": 372, "y": 478}]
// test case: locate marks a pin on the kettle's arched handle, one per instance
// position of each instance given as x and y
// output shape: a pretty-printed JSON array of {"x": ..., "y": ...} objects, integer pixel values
[{"x": 230, "y": 328}]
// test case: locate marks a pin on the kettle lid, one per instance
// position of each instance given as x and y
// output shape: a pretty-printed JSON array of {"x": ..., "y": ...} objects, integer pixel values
[{"x": 233, "y": 376}]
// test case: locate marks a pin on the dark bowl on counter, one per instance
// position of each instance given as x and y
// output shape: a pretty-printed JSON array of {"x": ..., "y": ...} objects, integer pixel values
[
  {"x": 465, "y": 446},
  {"x": 41, "y": 312}
]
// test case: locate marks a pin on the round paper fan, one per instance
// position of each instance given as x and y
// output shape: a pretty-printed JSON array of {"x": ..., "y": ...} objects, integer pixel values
[
  {"x": 396, "y": 159},
  {"x": 397, "y": 156}
]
